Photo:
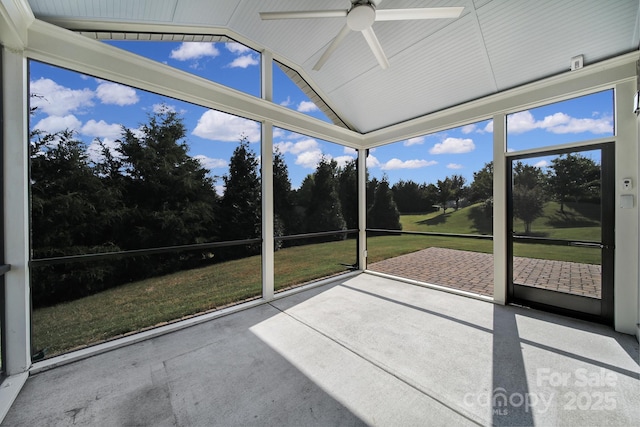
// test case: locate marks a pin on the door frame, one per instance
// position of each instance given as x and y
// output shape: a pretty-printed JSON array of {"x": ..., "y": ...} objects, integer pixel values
[{"x": 601, "y": 310}]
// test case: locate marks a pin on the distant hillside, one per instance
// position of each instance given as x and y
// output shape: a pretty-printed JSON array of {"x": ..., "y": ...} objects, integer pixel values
[{"x": 579, "y": 221}]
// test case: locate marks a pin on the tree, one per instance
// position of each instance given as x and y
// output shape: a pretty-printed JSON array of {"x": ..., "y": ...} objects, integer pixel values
[
  {"x": 324, "y": 212},
  {"x": 372, "y": 184},
  {"x": 445, "y": 193},
  {"x": 241, "y": 205},
  {"x": 458, "y": 190},
  {"x": 412, "y": 197},
  {"x": 284, "y": 216},
  {"x": 71, "y": 214},
  {"x": 170, "y": 196},
  {"x": 481, "y": 189},
  {"x": 348, "y": 193},
  {"x": 528, "y": 194},
  {"x": 384, "y": 213},
  {"x": 573, "y": 177}
]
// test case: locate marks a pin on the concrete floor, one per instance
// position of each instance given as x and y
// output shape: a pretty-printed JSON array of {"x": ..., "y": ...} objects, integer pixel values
[{"x": 363, "y": 351}]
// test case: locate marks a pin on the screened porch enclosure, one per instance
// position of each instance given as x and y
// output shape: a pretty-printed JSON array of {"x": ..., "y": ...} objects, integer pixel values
[{"x": 174, "y": 176}]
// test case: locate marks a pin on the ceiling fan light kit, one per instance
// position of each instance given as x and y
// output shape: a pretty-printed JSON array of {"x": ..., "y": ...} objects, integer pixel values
[{"x": 361, "y": 17}]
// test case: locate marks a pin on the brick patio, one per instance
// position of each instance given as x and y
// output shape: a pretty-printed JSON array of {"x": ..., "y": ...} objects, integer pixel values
[{"x": 473, "y": 271}]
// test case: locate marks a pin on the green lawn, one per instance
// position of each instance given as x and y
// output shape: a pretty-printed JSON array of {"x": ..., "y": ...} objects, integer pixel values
[
  {"x": 151, "y": 302},
  {"x": 147, "y": 303}
]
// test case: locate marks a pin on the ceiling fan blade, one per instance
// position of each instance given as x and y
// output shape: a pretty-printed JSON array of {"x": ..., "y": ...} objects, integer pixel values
[
  {"x": 376, "y": 48},
  {"x": 304, "y": 14},
  {"x": 422, "y": 13},
  {"x": 332, "y": 47}
]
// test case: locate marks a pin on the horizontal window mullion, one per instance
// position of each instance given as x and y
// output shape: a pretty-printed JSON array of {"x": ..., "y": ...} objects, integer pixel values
[
  {"x": 428, "y": 233},
  {"x": 139, "y": 252}
]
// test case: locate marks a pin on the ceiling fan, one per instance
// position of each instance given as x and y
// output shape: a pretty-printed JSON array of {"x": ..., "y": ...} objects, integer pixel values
[{"x": 360, "y": 17}]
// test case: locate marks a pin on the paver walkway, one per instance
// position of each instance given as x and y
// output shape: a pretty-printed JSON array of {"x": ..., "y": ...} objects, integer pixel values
[{"x": 473, "y": 271}]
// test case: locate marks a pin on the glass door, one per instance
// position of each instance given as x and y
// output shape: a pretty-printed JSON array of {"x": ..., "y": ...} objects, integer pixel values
[{"x": 561, "y": 214}]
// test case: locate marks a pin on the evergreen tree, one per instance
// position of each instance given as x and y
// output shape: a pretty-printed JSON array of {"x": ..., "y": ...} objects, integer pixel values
[
  {"x": 383, "y": 214},
  {"x": 285, "y": 221},
  {"x": 372, "y": 184},
  {"x": 170, "y": 196},
  {"x": 324, "y": 212},
  {"x": 70, "y": 215},
  {"x": 241, "y": 206},
  {"x": 348, "y": 192}
]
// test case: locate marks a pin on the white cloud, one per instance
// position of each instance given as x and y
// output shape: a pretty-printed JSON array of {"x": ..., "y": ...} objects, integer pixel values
[
  {"x": 237, "y": 48},
  {"x": 595, "y": 126},
  {"x": 220, "y": 189},
  {"x": 52, "y": 124},
  {"x": 468, "y": 129},
  {"x": 299, "y": 147},
  {"x": 54, "y": 99},
  {"x": 244, "y": 61},
  {"x": 138, "y": 132},
  {"x": 219, "y": 126},
  {"x": 559, "y": 123},
  {"x": 286, "y": 102},
  {"x": 542, "y": 164},
  {"x": 211, "y": 163},
  {"x": 414, "y": 141},
  {"x": 454, "y": 166},
  {"x": 94, "y": 150},
  {"x": 163, "y": 108},
  {"x": 453, "y": 146},
  {"x": 350, "y": 151},
  {"x": 521, "y": 122},
  {"x": 343, "y": 160},
  {"x": 407, "y": 164},
  {"x": 278, "y": 133},
  {"x": 489, "y": 127},
  {"x": 307, "y": 151},
  {"x": 194, "y": 50},
  {"x": 372, "y": 161},
  {"x": 307, "y": 107},
  {"x": 117, "y": 94},
  {"x": 101, "y": 129},
  {"x": 309, "y": 159}
]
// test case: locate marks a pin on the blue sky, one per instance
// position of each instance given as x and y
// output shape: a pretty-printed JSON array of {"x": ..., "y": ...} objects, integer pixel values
[{"x": 96, "y": 108}]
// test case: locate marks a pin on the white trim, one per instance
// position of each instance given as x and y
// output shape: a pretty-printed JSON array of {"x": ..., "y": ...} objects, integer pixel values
[
  {"x": 16, "y": 213},
  {"x": 626, "y": 283},
  {"x": 64, "y": 48},
  {"x": 593, "y": 78},
  {"x": 168, "y": 28},
  {"x": 362, "y": 209},
  {"x": 268, "y": 214},
  {"x": 551, "y": 148},
  {"x": 500, "y": 232},
  {"x": 15, "y": 18},
  {"x": 9, "y": 390}
]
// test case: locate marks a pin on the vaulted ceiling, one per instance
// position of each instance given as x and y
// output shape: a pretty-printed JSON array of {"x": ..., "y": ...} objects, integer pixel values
[{"x": 434, "y": 64}]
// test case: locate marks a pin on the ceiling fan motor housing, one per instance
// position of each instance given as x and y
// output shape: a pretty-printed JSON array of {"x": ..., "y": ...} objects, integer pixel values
[{"x": 361, "y": 17}]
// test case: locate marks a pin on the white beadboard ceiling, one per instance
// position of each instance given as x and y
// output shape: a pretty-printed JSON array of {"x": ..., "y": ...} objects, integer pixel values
[{"x": 494, "y": 45}]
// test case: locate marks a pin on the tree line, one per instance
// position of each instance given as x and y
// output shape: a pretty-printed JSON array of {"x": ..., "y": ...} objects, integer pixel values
[{"x": 149, "y": 193}]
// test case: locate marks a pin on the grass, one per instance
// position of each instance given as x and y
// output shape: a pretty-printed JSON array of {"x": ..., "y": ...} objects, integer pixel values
[{"x": 152, "y": 302}]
